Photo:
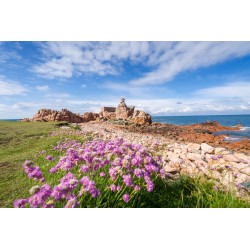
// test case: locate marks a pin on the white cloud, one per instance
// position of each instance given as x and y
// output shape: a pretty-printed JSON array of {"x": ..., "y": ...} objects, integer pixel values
[
  {"x": 65, "y": 59},
  {"x": 163, "y": 60},
  {"x": 228, "y": 90},
  {"x": 188, "y": 56},
  {"x": 8, "y": 88},
  {"x": 42, "y": 87}
]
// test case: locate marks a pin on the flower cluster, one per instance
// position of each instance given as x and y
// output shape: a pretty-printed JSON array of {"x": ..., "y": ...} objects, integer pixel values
[
  {"x": 92, "y": 169},
  {"x": 33, "y": 172},
  {"x": 64, "y": 190}
]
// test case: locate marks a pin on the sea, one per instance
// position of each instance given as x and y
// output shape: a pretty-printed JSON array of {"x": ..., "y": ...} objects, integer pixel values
[{"x": 226, "y": 120}]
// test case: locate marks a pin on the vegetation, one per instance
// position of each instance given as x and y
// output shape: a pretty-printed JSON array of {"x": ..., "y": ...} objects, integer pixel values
[{"x": 36, "y": 142}]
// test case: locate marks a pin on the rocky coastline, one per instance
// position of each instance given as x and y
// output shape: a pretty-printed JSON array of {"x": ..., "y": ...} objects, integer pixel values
[
  {"x": 190, "y": 149},
  {"x": 227, "y": 167}
]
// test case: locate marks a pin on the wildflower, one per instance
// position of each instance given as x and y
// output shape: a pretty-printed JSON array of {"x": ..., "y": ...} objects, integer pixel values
[
  {"x": 118, "y": 188},
  {"x": 40, "y": 197},
  {"x": 85, "y": 168},
  {"x": 49, "y": 158},
  {"x": 113, "y": 187},
  {"x": 102, "y": 174},
  {"x": 125, "y": 197},
  {"x": 72, "y": 202},
  {"x": 138, "y": 173},
  {"x": 137, "y": 160},
  {"x": 53, "y": 170},
  {"x": 20, "y": 203},
  {"x": 127, "y": 179},
  {"x": 162, "y": 173},
  {"x": 112, "y": 173},
  {"x": 137, "y": 188},
  {"x": 150, "y": 186}
]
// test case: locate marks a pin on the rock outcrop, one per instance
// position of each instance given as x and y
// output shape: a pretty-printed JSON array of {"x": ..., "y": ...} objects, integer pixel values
[
  {"x": 142, "y": 118},
  {"x": 107, "y": 113},
  {"x": 48, "y": 115},
  {"x": 121, "y": 112},
  {"x": 90, "y": 116},
  {"x": 125, "y": 113}
]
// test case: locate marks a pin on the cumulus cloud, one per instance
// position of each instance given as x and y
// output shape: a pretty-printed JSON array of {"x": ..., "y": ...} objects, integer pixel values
[{"x": 8, "y": 88}]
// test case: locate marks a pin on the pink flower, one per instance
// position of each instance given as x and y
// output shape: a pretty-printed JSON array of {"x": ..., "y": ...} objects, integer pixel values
[
  {"x": 102, "y": 174},
  {"x": 113, "y": 187},
  {"x": 49, "y": 158},
  {"x": 125, "y": 197}
]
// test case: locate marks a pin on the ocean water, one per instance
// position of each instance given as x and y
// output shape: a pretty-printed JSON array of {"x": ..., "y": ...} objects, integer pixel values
[
  {"x": 9, "y": 120},
  {"x": 226, "y": 120}
]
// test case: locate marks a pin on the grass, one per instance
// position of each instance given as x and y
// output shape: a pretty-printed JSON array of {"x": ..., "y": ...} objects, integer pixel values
[{"x": 20, "y": 141}]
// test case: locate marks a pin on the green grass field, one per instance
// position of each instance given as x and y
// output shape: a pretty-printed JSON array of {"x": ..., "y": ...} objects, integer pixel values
[{"x": 20, "y": 141}]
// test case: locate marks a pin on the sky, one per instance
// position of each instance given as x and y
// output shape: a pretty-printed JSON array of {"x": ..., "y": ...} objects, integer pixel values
[{"x": 162, "y": 78}]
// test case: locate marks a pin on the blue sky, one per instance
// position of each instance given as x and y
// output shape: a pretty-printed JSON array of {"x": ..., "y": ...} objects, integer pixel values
[{"x": 163, "y": 78}]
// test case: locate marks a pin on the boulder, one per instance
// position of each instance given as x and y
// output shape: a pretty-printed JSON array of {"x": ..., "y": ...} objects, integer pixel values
[
  {"x": 207, "y": 148},
  {"x": 231, "y": 158},
  {"x": 90, "y": 116},
  {"x": 142, "y": 118},
  {"x": 193, "y": 147}
]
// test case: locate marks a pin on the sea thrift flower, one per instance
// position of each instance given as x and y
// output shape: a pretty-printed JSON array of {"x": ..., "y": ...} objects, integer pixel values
[
  {"x": 102, "y": 174},
  {"x": 150, "y": 186},
  {"x": 112, "y": 173},
  {"x": 49, "y": 158},
  {"x": 138, "y": 173},
  {"x": 113, "y": 187},
  {"x": 33, "y": 172},
  {"x": 72, "y": 202},
  {"x": 137, "y": 188},
  {"x": 53, "y": 170},
  {"x": 85, "y": 168},
  {"x": 125, "y": 197},
  {"x": 127, "y": 179},
  {"x": 20, "y": 203},
  {"x": 40, "y": 197},
  {"x": 162, "y": 173},
  {"x": 137, "y": 161},
  {"x": 118, "y": 188},
  {"x": 67, "y": 184}
]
